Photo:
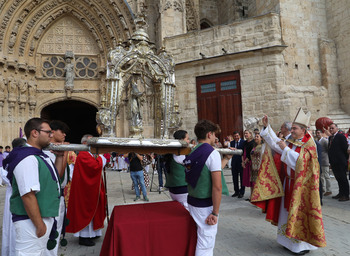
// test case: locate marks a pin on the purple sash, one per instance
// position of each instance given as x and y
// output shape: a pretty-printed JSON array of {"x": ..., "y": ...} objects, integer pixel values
[
  {"x": 18, "y": 154},
  {"x": 195, "y": 162}
]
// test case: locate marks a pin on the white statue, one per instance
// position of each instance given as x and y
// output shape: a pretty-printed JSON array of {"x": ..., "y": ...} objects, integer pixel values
[{"x": 69, "y": 70}]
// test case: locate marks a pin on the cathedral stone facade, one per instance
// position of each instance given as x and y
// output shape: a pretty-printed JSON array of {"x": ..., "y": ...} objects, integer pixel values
[{"x": 268, "y": 57}]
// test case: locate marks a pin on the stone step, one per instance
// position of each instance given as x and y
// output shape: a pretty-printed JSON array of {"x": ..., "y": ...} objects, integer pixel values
[{"x": 341, "y": 118}]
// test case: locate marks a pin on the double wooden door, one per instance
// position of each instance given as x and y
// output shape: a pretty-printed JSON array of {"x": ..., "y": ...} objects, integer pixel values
[{"x": 219, "y": 100}]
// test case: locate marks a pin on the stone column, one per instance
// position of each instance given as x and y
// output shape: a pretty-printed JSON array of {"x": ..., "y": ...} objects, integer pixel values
[
  {"x": 329, "y": 72},
  {"x": 172, "y": 19}
]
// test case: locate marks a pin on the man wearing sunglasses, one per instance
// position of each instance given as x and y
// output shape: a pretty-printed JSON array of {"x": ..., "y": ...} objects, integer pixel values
[{"x": 36, "y": 191}]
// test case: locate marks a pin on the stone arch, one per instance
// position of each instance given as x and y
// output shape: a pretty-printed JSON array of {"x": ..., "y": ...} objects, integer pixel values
[
  {"x": 43, "y": 105},
  {"x": 24, "y": 21},
  {"x": 78, "y": 115},
  {"x": 205, "y": 23}
]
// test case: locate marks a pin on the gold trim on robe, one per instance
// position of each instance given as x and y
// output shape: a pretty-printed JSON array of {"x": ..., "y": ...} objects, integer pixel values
[
  {"x": 268, "y": 184},
  {"x": 305, "y": 215}
]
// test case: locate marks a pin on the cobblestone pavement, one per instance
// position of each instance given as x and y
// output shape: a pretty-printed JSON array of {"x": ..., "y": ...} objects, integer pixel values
[{"x": 242, "y": 228}]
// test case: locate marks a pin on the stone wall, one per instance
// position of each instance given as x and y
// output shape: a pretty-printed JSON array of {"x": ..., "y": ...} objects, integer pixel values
[
  {"x": 208, "y": 10},
  {"x": 338, "y": 23},
  {"x": 251, "y": 34},
  {"x": 303, "y": 25},
  {"x": 253, "y": 47},
  {"x": 260, "y": 7}
]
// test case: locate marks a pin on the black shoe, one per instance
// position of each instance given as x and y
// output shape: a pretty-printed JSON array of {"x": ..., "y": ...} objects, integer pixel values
[
  {"x": 343, "y": 199},
  {"x": 86, "y": 241},
  {"x": 240, "y": 196},
  {"x": 336, "y": 197},
  {"x": 235, "y": 194}
]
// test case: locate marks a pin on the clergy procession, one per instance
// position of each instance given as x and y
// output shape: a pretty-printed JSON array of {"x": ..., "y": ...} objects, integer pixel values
[{"x": 51, "y": 193}]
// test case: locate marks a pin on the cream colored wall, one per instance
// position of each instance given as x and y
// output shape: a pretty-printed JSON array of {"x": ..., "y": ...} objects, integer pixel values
[
  {"x": 338, "y": 23},
  {"x": 303, "y": 26},
  {"x": 208, "y": 9}
]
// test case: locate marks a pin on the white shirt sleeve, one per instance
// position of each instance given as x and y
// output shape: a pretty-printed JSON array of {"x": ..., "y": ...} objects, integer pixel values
[
  {"x": 179, "y": 159},
  {"x": 27, "y": 175},
  {"x": 104, "y": 160},
  {"x": 214, "y": 161},
  {"x": 289, "y": 157},
  {"x": 271, "y": 139},
  {"x": 51, "y": 155}
]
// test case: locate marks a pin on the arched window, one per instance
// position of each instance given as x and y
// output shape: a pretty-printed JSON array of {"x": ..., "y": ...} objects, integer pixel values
[{"x": 205, "y": 24}]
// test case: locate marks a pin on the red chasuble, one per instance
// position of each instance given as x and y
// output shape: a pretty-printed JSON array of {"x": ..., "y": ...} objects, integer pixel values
[
  {"x": 304, "y": 215},
  {"x": 87, "y": 200}
]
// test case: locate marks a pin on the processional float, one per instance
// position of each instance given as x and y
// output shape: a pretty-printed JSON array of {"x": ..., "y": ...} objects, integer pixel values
[{"x": 140, "y": 88}]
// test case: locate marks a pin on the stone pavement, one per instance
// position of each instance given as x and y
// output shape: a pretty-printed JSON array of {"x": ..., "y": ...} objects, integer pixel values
[{"x": 242, "y": 227}]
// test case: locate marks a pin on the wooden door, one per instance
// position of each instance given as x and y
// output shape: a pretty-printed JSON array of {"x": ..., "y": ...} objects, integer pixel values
[{"x": 219, "y": 100}]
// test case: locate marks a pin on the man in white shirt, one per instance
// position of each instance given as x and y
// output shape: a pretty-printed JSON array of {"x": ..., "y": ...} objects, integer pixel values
[{"x": 35, "y": 199}]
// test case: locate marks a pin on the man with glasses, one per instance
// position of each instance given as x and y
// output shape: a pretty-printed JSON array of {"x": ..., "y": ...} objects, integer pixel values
[
  {"x": 59, "y": 131},
  {"x": 36, "y": 191}
]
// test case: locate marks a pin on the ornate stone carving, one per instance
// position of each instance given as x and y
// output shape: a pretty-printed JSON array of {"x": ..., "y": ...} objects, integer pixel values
[
  {"x": 67, "y": 34},
  {"x": 134, "y": 71},
  {"x": 192, "y": 20},
  {"x": 22, "y": 91},
  {"x": 69, "y": 73},
  {"x": 178, "y": 6},
  {"x": 12, "y": 89},
  {"x": 7, "y": 18},
  {"x": 167, "y": 6},
  {"x": 32, "y": 87},
  {"x": 2, "y": 90}
]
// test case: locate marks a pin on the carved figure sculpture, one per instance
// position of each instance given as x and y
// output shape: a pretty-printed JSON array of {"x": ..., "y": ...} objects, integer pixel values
[
  {"x": 32, "y": 92},
  {"x": 69, "y": 71},
  {"x": 12, "y": 88},
  {"x": 22, "y": 87},
  {"x": 136, "y": 114},
  {"x": 2, "y": 89}
]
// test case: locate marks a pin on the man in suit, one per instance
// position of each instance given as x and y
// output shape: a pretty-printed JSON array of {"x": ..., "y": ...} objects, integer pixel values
[
  {"x": 236, "y": 165},
  {"x": 338, "y": 156},
  {"x": 285, "y": 129}
]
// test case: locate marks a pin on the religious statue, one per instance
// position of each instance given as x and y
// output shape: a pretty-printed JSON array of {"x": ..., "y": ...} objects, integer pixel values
[
  {"x": 23, "y": 87},
  {"x": 12, "y": 89},
  {"x": 32, "y": 92},
  {"x": 136, "y": 103},
  {"x": 2, "y": 89},
  {"x": 69, "y": 71}
]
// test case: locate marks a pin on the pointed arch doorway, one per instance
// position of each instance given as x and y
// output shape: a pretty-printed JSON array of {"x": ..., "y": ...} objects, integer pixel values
[{"x": 79, "y": 116}]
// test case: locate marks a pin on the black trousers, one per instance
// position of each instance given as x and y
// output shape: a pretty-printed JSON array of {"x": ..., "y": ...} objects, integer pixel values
[
  {"x": 340, "y": 175},
  {"x": 237, "y": 172}
]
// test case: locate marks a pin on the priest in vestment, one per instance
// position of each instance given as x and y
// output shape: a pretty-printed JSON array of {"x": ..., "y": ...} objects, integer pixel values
[
  {"x": 87, "y": 202},
  {"x": 297, "y": 212}
]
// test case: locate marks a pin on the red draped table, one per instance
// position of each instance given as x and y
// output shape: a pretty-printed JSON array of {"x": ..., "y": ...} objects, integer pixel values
[{"x": 150, "y": 229}]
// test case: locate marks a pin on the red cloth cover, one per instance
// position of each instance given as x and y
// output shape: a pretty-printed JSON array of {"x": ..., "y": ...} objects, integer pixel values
[
  {"x": 87, "y": 199},
  {"x": 151, "y": 229}
]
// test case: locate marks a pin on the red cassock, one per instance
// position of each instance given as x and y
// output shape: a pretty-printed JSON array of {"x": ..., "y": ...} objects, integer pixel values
[{"x": 87, "y": 201}]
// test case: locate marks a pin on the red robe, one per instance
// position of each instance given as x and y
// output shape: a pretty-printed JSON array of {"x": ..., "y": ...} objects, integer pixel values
[{"x": 87, "y": 201}]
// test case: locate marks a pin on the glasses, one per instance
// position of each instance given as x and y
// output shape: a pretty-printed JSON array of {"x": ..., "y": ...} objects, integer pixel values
[{"x": 48, "y": 132}]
